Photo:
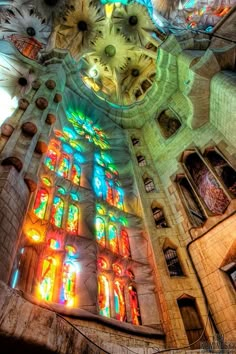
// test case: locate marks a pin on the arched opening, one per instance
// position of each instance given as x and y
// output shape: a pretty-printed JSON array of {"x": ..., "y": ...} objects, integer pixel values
[
  {"x": 173, "y": 263},
  {"x": 48, "y": 276},
  {"x": 100, "y": 231},
  {"x": 169, "y": 123},
  {"x": 113, "y": 238},
  {"x": 206, "y": 184},
  {"x": 41, "y": 202},
  {"x": 158, "y": 215},
  {"x": 72, "y": 219},
  {"x": 119, "y": 301},
  {"x": 192, "y": 322},
  {"x": 223, "y": 169},
  {"x": 57, "y": 211},
  {"x": 103, "y": 296},
  {"x": 134, "y": 305}
]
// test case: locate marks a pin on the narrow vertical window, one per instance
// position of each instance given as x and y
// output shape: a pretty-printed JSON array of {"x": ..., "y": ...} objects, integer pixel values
[
  {"x": 109, "y": 190},
  {"x": 75, "y": 174},
  {"x": 47, "y": 279},
  {"x": 40, "y": 204},
  {"x": 113, "y": 239},
  {"x": 125, "y": 243},
  {"x": 100, "y": 231},
  {"x": 57, "y": 211},
  {"x": 103, "y": 296},
  {"x": 172, "y": 262},
  {"x": 64, "y": 166},
  {"x": 207, "y": 185},
  {"x": 68, "y": 281},
  {"x": 149, "y": 184},
  {"x": 51, "y": 160},
  {"x": 119, "y": 301},
  {"x": 73, "y": 219},
  {"x": 118, "y": 198},
  {"x": 159, "y": 217},
  {"x": 133, "y": 297},
  {"x": 223, "y": 170}
]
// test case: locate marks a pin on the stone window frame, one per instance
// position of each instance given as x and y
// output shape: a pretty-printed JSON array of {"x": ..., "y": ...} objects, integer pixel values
[
  {"x": 148, "y": 184},
  {"x": 157, "y": 206},
  {"x": 176, "y": 258},
  {"x": 141, "y": 160}
]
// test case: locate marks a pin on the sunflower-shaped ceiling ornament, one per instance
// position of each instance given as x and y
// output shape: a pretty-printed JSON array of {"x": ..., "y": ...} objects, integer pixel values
[
  {"x": 15, "y": 77},
  {"x": 81, "y": 25},
  {"x": 137, "y": 78},
  {"x": 46, "y": 8},
  {"x": 26, "y": 24},
  {"x": 135, "y": 24}
]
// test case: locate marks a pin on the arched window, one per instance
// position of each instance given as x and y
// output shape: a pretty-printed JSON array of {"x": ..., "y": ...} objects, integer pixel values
[
  {"x": 158, "y": 216},
  {"x": 57, "y": 211},
  {"x": 223, "y": 169},
  {"x": 191, "y": 203},
  {"x": 98, "y": 183},
  {"x": 113, "y": 239},
  {"x": 172, "y": 262},
  {"x": 134, "y": 305},
  {"x": 149, "y": 184},
  {"x": 73, "y": 219},
  {"x": 46, "y": 286},
  {"x": 103, "y": 296},
  {"x": 64, "y": 166},
  {"x": 206, "y": 184},
  {"x": 168, "y": 123},
  {"x": 100, "y": 231},
  {"x": 125, "y": 243},
  {"x": 118, "y": 198},
  {"x": 119, "y": 301},
  {"x": 109, "y": 192},
  {"x": 75, "y": 174},
  {"x": 40, "y": 204},
  {"x": 51, "y": 160},
  {"x": 68, "y": 283},
  {"x": 141, "y": 160}
]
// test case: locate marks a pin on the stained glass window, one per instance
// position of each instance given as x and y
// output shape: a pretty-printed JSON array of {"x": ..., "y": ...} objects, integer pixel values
[
  {"x": 103, "y": 296},
  {"x": 73, "y": 219},
  {"x": 40, "y": 204},
  {"x": 68, "y": 280},
  {"x": 54, "y": 244},
  {"x": 64, "y": 166},
  {"x": 113, "y": 240},
  {"x": 109, "y": 192},
  {"x": 117, "y": 269},
  {"x": 98, "y": 183},
  {"x": 46, "y": 181},
  {"x": 57, "y": 211},
  {"x": 75, "y": 174},
  {"x": 47, "y": 279},
  {"x": 71, "y": 251},
  {"x": 119, "y": 301},
  {"x": 100, "y": 231},
  {"x": 102, "y": 263},
  {"x": 51, "y": 159},
  {"x": 125, "y": 243},
  {"x": 119, "y": 198},
  {"x": 133, "y": 297}
]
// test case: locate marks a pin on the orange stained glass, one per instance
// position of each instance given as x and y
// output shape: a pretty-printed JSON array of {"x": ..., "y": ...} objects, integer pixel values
[
  {"x": 46, "y": 286},
  {"x": 40, "y": 204},
  {"x": 113, "y": 239},
  {"x": 119, "y": 301},
  {"x": 103, "y": 296}
]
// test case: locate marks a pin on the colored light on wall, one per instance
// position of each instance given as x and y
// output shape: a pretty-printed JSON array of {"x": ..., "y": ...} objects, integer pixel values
[
  {"x": 54, "y": 244},
  {"x": 74, "y": 196},
  {"x": 67, "y": 149},
  {"x": 100, "y": 210},
  {"x": 73, "y": 219},
  {"x": 48, "y": 279},
  {"x": 34, "y": 235},
  {"x": 61, "y": 190},
  {"x": 102, "y": 263},
  {"x": 64, "y": 166},
  {"x": 15, "y": 279},
  {"x": 51, "y": 160},
  {"x": 70, "y": 133},
  {"x": 40, "y": 204},
  {"x": 68, "y": 280},
  {"x": 57, "y": 211},
  {"x": 46, "y": 181},
  {"x": 75, "y": 174},
  {"x": 103, "y": 296},
  {"x": 71, "y": 251},
  {"x": 113, "y": 240},
  {"x": 117, "y": 269}
]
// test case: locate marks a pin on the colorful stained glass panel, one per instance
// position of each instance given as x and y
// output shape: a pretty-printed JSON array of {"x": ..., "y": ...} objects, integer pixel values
[{"x": 41, "y": 202}]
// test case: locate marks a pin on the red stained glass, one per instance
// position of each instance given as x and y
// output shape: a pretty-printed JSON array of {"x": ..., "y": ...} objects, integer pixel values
[
  {"x": 136, "y": 318},
  {"x": 125, "y": 243}
]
